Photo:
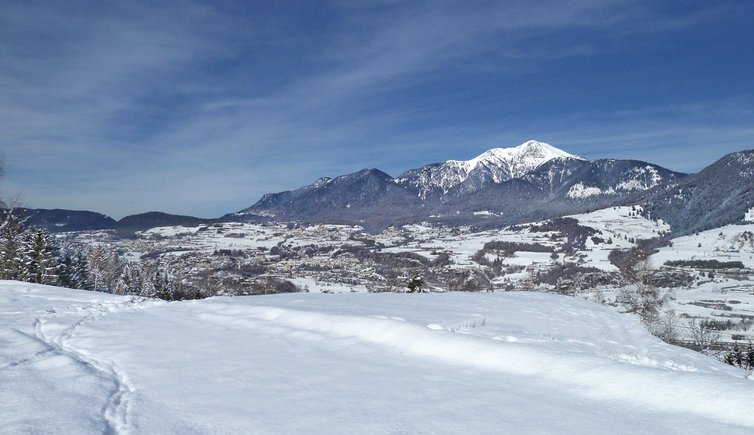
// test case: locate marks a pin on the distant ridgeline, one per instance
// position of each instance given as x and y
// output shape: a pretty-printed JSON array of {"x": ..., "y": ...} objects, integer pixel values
[
  {"x": 531, "y": 182},
  {"x": 75, "y": 220}
]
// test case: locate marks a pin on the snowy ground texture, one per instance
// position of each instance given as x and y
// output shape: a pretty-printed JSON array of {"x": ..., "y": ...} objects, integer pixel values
[{"x": 82, "y": 362}]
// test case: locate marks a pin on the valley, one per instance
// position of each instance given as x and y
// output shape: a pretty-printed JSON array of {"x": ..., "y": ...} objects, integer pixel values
[{"x": 707, "y": 276}]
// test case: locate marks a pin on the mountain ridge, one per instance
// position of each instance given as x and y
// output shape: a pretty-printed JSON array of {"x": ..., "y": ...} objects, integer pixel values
[
  {"x": 505, "y": 183},
  {"x": 549, "y": 182}
]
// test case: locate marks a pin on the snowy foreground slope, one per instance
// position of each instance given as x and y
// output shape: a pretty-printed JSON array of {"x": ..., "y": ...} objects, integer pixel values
[{"x": 82, "y": 362}]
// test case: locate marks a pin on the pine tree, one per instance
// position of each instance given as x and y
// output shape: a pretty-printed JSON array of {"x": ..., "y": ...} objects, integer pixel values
[
  {"x": 81, "y": 274},
  {"x": 729, "y": 357},
  {"x": 164, "y": 285},
  {"x": 104, "y": 268},
  {"x": 749, "y": 359},
  {"x": 39, "y": 258},
  {"x": 739, "y": 356},
  {"x": 129, "y": 280},
  {"x": 66, "y": 270},
  {"x": 146, "y": 277},
  {"x": 11, "y": 231}
]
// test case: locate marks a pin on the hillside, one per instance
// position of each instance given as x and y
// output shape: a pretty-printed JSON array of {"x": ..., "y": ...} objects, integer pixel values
[
  {"x": 84, "y": 362},
  {"x": 719, "y": 195}
]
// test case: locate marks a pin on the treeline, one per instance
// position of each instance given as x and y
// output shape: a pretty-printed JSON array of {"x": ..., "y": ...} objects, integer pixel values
[
  {"x": 508, "y": 249},
  {"x": 32, "y": 255},
  {"x": 739, "y": 357},
  {"x": 706, "y": 264}
]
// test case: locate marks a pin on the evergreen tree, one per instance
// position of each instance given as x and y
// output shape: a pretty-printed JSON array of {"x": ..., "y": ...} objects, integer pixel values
[
  {"x": 11, "y": 231},
  {"x": 737, "y": 357},
  {"x": 39, "y": 258},
  {"x": 104, "y": 268},
  {"x": 66, "y": 271},
  {"x": 82, "y": 276},
  {"x": 749, "y": 360},
  {"x": 163, "y": 285},
  {"x": 729, "y": 357},
  {"x": 147, "y": 279},
  {"x": 129, "y": 280}
]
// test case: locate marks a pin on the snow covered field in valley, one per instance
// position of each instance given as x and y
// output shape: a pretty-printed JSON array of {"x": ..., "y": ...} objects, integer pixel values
[
  {"x": 729, "y": 243},
  {"x": 83, "y": 362}
]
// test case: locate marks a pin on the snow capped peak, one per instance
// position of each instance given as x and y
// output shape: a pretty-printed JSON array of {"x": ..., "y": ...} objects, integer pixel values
[
  {"x": 544, "y": 150},
  {"x": 493, "y": 166},
  {"x": 522, "y": 159}
]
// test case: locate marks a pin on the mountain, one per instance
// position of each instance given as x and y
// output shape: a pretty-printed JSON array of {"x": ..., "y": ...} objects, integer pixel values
[
  {"x": 369, "y": 196},
  {"x": 721, "y": 194},
  {"x": 562, "y": 186},
  {"x": 152, "y": 219},
  {"x": 491, "y": 167},
  {"x": 58, "y": 220},
  {"x": 500, "y": 186},
  {"x": 580, "y": 180}
]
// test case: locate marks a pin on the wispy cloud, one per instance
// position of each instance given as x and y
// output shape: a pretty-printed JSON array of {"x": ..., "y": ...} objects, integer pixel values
[{"x": 197, "y": 108}]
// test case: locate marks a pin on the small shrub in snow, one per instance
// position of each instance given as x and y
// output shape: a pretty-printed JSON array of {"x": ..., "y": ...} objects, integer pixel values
[{"x": 415, "y": 284}]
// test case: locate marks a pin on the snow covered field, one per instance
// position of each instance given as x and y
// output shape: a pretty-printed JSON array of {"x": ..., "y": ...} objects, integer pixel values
[
  {"x": 728, "y": 243},
  {"x": 82, "y": 362}
]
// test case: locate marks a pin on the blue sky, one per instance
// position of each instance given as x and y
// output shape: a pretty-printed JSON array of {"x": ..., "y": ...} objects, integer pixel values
[{"x": 201, "y": 107}]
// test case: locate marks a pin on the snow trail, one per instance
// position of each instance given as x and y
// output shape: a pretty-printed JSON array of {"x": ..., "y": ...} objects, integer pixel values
[
  {"x": 115, "y": 410},
  {"x": 35, "y": 357}
]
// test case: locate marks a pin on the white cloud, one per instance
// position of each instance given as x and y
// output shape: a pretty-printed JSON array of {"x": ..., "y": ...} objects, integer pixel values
[{"x": 128, "y": 106}]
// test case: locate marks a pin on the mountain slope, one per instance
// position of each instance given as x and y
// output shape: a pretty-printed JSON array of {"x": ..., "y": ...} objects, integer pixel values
[
  {"x": 58, "y": 220},
  {"x": 368, "y": 196},
  {"x": 579, "y": 180},
  {"x": 559, "y": 187},
  {"x": 720, "y": 194},
  {"x": 152, "y": 219}
]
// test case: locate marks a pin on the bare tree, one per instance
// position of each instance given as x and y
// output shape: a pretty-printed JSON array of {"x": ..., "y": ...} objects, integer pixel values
[
  {"x": 666, "y": 327},
  {"x": 640, "y": 296},
  {"x": 703, "y": 334}
]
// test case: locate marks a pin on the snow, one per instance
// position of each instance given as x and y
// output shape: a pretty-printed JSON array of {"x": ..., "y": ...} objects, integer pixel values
[
  {"x": 749, "y": 216},
  {"x": 501, "y": 164},
  {"x": 638, "y": 179},
  {"x": 486, "y": 213},
  {"x": 619, "y": 224},
  {"x": 311, "y": 285},
  {"x": 580, "y": 191},
  {"x": 637, "y": 182},
  {"x": 521, "y": 159},
  {"x": 82, "y": 362},
  {"x": 728, "y": 243},
  {"x": 622, "y": 221}
]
